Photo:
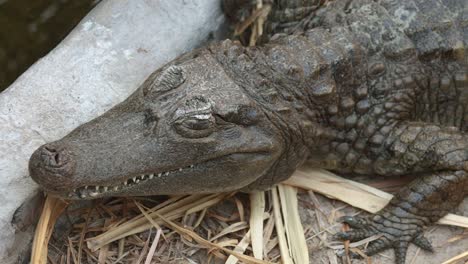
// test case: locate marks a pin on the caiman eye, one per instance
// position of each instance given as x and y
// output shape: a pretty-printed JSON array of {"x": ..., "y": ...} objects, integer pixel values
[{"x": 195, "y": 126}]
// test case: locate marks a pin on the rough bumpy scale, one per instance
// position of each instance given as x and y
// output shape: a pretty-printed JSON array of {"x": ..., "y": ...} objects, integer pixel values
[{"x": 367, "y": 87}]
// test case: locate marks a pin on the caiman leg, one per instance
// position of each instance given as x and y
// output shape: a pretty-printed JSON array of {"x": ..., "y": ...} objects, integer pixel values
[{"x": 440, "y": 156}]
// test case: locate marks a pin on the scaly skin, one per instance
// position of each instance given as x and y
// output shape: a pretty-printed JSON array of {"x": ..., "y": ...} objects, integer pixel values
[{"x": 373, "y": 88}]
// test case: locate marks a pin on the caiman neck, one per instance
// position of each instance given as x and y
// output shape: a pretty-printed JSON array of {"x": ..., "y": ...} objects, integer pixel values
[
  {"x": 317, "y": 76},
  {"x": 295, "y": 83},
  {"x": 291, "y": 85}
]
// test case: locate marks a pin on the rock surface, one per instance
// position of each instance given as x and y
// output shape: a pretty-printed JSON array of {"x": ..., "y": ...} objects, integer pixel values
[{"x": 113, "y": 49}]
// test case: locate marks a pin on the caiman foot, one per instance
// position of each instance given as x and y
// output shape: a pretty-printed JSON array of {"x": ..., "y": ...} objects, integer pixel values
[
  {"x": 396, "y": 233},
  {"x": 419, "y": 204}
]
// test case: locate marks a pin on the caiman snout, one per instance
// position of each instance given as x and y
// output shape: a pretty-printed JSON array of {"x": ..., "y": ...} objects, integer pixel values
[{"x": 52, "y": 166}]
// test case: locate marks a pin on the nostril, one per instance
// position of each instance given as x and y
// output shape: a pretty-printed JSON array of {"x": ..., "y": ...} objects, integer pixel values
[{"x": 54, "y": 157}]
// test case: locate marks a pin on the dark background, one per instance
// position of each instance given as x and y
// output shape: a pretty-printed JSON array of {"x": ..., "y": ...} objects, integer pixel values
[{"x": 29, "y": 29}]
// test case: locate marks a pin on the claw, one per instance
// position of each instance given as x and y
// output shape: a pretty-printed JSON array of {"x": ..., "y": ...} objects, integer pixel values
[
  {"x": 354, "y": 222},
  {"x": 394, "y": 234},
  {"x": 342, "y": 236},
  {"x": 400, "y": 252},
  {"x": 378, "y": 245},
  {"x": 423, "y": 243},
  {"x": 354, "y": 235}
]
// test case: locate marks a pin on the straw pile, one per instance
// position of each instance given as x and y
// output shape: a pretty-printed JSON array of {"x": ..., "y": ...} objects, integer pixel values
[{"x": 216, "y": 228}]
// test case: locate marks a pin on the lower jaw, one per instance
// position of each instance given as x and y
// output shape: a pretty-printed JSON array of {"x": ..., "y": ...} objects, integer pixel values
[{"x": 123, "y": 187}]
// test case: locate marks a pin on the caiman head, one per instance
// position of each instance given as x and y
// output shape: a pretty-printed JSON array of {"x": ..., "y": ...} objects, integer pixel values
[{"x": 188, "y": 129}]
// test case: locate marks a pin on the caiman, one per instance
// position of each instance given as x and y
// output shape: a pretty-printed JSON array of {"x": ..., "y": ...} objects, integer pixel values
[{"x": 367, "y": 87}]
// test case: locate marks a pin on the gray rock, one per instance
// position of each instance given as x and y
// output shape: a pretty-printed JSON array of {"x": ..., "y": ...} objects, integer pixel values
[{"x": 104, "y": 59}]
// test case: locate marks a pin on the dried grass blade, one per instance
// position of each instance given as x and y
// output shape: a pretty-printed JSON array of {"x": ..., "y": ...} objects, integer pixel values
[
  {"x": 153, "y": 247},
  {"x": 169, "y": 205},
  {"x": 285, "y": 257},
  {"x": 143, "y": 251},
  {"x": 213, "y": 199},
  {"x": 240, "y": 208},
  {"x": 260, "y": 19},
  {"x": 454, "y": 220},
  {"x": 457, "y": 258},
  {"x": 104, "y": 251},
  {"x": 240, "y": 248},
  {"x": 38, "y": 250},
  {"x": 121, "y": 247},
  {"x": 140, "y": 223},
  {"x": 145, "y": 214},
  {"x": 230, "y": 229},
  {"x": 268, "y": 230},
  {"x": 72, "y": 251},
  {"x": 52, "y": 209},
  {"x": 103, "y": 254},
  {"x": 200, "y": 218},
  {"x": 263, "y": 12},
  {"x": 228, "y": 243},
  {"x": 83, "y": 233},
  {"x": 294, "y": 229},
  {"x": 356, "y": 194},
  {"x": 326, "y": 183},
  {"x": 207, "y": 244},
  {"x": 257, "y": 209},
  {"x": 357, "y": 243}
]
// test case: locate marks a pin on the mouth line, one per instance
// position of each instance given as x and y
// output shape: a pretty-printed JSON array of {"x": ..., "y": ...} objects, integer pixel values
[
  {"x": 96, "y": 191},
  {"x": 93, "y": 191}
]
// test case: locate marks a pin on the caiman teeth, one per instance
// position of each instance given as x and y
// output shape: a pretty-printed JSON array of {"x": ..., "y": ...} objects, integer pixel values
[{"x": 96, "y": 190}]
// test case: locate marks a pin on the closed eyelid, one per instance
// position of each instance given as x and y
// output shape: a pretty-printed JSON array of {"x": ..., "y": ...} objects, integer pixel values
[{"x": 195, "y": 126}]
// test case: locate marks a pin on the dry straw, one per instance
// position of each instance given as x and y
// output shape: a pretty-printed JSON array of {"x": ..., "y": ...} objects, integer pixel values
[{"x": 277, "y": 226}]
